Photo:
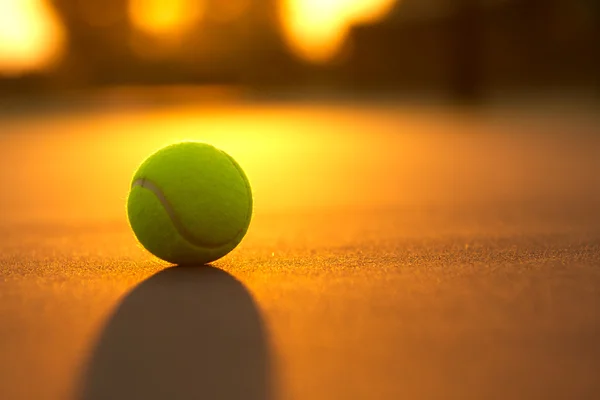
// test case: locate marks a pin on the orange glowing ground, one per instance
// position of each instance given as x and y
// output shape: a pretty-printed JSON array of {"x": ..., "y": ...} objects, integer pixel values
[{"x": 396, "y": 252}]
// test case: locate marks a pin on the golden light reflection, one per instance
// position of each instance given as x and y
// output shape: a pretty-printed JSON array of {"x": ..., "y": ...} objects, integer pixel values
[
  {"x": 316, "y": 29},
  {"x": 165, "y": 17},
  {"x": 31, "y": 36},
  {"x": 297, "y": 158}
]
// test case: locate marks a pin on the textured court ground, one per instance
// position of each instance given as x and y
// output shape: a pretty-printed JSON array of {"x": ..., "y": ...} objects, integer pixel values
[{"x": 396, "y": 253}]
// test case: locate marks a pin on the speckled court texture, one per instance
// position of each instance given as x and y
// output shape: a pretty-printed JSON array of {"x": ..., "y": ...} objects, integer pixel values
[{"x": 396, "y": 252}]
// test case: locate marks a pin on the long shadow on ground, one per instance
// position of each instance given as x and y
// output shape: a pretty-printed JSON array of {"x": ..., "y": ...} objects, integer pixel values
[{"x": 184, "y": 333}]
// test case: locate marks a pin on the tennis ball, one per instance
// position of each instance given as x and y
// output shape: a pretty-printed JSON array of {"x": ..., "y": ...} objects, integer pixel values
[{"x": 189, "y": 203}]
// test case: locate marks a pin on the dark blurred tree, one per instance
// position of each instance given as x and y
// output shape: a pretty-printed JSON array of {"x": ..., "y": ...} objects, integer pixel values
[
  {"x": 537, "y": 44},
  {"x": 245, "y": 48},
  {"x": 463, "y": 47},
  {"x": 233, "y": 42},
  {"x": 98, "y": 33},
  {"x": 466, "y": 43}
]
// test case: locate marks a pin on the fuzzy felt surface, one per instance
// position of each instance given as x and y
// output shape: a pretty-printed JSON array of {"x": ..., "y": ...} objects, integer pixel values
[{"x": 197, "y": 208}]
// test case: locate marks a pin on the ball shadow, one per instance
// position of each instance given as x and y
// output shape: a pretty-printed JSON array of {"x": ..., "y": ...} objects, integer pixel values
[{"x": 184, "y": 333}]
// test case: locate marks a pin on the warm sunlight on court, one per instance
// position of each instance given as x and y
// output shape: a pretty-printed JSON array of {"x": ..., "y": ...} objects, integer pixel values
[
  {"x": 31, "y": 37},
  {"x": 316, "y": 29},
  {"x": 165, "y": 17}
]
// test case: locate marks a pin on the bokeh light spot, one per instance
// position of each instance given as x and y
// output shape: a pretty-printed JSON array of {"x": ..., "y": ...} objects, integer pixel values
[
  {"x": 165, "y": 17},
  {"x": 31, "y": 36},
  {"x": 316, "y": 29}
]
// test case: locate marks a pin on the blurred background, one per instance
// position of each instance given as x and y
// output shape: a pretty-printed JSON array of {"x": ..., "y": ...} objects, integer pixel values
[
  {"x": 465, "y": 50},
  {"x": 325, "y": 103},
  {"x": 425, "y": 177}
]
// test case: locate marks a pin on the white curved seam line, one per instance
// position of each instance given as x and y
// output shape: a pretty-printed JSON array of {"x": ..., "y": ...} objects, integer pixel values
[{"x": 179, "y": 227}]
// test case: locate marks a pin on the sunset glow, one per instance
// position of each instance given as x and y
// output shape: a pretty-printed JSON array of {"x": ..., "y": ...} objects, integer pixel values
[{"x": 31, "y": 36}]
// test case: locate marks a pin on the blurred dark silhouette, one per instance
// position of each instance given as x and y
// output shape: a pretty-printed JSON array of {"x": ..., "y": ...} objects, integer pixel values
[
  {"x": 465, "y": 46},
  {"x": 460, "y": 48},
  {"x": 246, "y": 50},
  {"x": 184, "y": 333},
  {"x": 98, "y": 48},
  {"x": 473, "y": 46}
]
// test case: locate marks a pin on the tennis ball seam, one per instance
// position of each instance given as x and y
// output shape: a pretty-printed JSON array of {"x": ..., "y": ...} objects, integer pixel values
[{"x": 147, "y": 184}]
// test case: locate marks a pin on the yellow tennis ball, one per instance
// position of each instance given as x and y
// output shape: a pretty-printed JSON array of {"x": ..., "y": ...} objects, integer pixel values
[{"x": 189, "y": 203}]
